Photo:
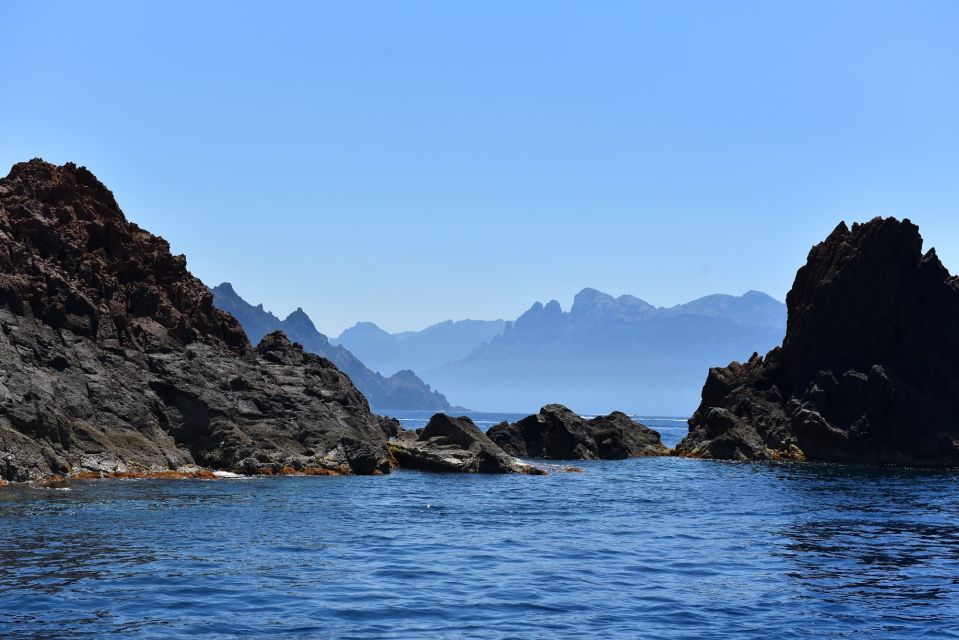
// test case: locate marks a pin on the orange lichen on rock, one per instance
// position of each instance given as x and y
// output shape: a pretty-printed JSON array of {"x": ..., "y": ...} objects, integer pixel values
[
  {"x": 193, "y": 474},
  {"x": 184, "y": 474},
  {"x": 320, "y": 471},
  {"x": 792, "y": 454}
]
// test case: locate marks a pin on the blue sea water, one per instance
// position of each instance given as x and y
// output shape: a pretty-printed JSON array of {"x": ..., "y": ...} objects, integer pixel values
[{"x": 643, "y": 548}]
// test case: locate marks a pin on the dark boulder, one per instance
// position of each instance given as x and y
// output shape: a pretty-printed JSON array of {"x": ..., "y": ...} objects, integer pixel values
[
  {"x": 453, "y": 444},
  {"x": 557, "y": 433},
  {"x": 391, "y": 427},
  {"x": 868, "y": 371},
  {"x": 113, "y": 358}
]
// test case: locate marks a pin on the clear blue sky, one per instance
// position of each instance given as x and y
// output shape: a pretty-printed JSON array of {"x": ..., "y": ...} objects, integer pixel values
[{"x": 408, "y": 162}]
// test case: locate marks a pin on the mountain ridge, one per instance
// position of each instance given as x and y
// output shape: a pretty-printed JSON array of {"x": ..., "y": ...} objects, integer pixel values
[
  {"x": 437, "y": 344},
  {"x": 400, "y": 391},
  {"x": 606, "y": 353}
]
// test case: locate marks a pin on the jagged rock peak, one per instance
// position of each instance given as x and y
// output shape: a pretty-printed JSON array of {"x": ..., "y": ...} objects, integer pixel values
[
  {"x": 869, "y": 367},
  {"x": 78, "y": 235}
]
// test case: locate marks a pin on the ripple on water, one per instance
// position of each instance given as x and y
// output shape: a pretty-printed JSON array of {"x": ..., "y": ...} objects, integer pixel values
[{"x": 651, "y": 547}]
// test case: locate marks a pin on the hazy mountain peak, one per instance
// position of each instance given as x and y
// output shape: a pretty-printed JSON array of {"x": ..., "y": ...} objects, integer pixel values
[
  {"x": 225, "y": 288},
  {"x": 435, "y": 345},
  {"x": 298, "y": 322},
  {"x": 594, "y": 305},
  {"x": 405, "y": 392},
  {"x": 751, "y": 308},
  {"x": 365, "y": 328},
  {"x": 609, "y": 352}
]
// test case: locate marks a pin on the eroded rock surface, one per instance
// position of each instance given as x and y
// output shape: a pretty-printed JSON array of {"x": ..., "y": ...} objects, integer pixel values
[
  {"x": 453, "y": 444},
  {"x": 557, "y": 433},
  {"x": 868, "y": 371},
  {"x": 113, "y": 358}
]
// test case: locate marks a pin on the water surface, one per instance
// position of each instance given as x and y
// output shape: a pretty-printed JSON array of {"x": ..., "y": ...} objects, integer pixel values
[{"x": 645, "y": 548}]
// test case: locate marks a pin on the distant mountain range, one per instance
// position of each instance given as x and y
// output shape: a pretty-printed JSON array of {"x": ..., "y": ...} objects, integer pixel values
[
  {"x": 402, "y": 390},
  {"x": 605, "y": 353},
  {"x": 431, "y": 347}
]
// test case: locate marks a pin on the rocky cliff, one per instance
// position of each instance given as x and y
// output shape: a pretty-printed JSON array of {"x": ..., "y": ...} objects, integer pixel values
[
  {"x": 400, "y": 391},
  {"x": 114, "y": 359},
  {"x": 869, "y": 368}
]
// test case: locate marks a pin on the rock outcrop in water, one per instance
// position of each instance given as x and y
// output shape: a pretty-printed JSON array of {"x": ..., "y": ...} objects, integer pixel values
[
  {"x": 559, "y": 434},
  {"x": 113, "y": 358},
  {"x": 868, "y": 371},
  {"x": 453, "y": 444}
]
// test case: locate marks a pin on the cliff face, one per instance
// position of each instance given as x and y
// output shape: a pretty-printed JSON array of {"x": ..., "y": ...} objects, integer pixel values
[
  {"x": 402, "y": 390},
  {"x": 868, "y": 370},
  {"x": 113, "y": 357}
]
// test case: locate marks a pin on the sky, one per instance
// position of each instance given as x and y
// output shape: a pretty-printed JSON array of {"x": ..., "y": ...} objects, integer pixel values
[{"x": 409, "y": 162}]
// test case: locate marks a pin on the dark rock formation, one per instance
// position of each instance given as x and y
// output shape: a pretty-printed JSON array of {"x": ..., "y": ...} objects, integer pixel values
[
  {"x": 557, "y": 433},
  {"x": 453, "y": 444},
  {"x": 868, "y": 371},
  {"x": 402, "y": 390},
  {"x": 391, "y": 427},
  {"x": 113, "y": 358}
]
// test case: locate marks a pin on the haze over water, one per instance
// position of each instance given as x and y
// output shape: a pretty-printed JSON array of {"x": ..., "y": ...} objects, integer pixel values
[{"x": 653, "y": 548}]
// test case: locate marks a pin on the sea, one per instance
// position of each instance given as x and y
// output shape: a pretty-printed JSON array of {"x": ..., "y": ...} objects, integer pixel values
[{"x": 649, "y": 548}]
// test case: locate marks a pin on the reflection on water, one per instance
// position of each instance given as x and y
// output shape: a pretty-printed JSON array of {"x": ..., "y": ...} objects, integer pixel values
[{"x": 651, "y": 548}]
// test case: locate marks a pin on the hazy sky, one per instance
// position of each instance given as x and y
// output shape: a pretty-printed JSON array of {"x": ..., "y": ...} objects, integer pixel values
[{"x": 408, "y": 162}]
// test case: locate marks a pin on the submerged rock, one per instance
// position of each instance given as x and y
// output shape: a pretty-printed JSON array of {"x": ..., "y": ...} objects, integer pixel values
[
  {"x": 868, "y": 371},
  {"x": 453, "y": 444},
  {"x": 559, "y": 434},
  {"x": 114, "y": 360}
]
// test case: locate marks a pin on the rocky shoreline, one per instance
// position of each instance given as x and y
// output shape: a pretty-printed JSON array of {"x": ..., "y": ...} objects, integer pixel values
[{"x": 117, "y": 364}]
